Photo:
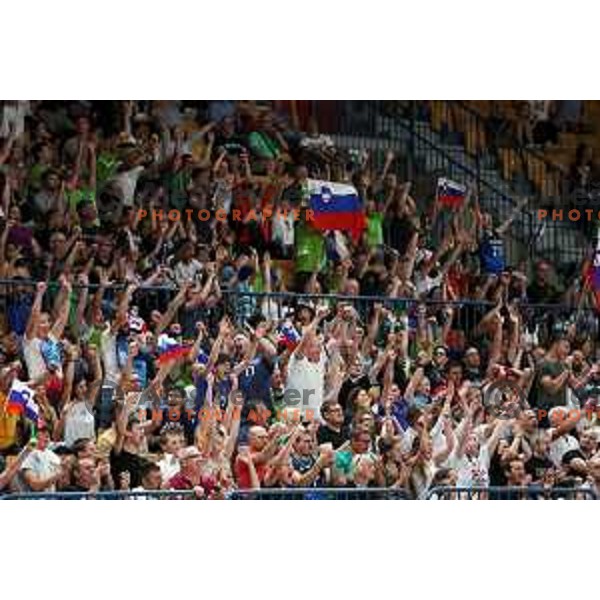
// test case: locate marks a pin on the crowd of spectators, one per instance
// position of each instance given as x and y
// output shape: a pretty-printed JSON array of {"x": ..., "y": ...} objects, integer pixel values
[{"x": 214, "y": 355}]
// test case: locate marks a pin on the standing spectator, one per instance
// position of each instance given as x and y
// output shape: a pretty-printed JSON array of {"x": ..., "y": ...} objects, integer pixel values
[{"x": 42, "y": 468}]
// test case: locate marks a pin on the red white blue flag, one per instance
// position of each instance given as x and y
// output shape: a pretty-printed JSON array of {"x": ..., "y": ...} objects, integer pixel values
[
  {"x": 449, "y": 193},
  {"x": 336, "y": 206}
]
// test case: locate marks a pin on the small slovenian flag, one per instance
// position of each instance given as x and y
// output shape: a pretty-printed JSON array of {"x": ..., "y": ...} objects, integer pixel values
[
  {"x": 170, "y": 349},
  {"x": 336, "y": 206},
  {"x": 596, "y": 264},
  {"x": 591, "y": 273},
  {"x": 21, "y": 402},
  {"x": 449, "y": 193},
  {"x": 288, "y": 335}
]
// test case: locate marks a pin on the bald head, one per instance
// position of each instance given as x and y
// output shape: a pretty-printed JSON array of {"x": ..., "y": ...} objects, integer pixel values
[{"x": 257, "y": 438}]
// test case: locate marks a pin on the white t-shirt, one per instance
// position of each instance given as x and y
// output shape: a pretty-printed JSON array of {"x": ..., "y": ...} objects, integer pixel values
[
  {"x": 34, "y": 360},
  {"x": 187, "y": 272},
  {"x": 408, "y": 439},
  {"x": 125, "y": 182},
  {"x": 283, "y": 229},
  {"x": 471, "y": 471},
  {"x": 13, "y": 117},
  {"x": 308, "y": 378},
  {"x": 169, "y": 466},
  {"x": 560, "y": 446},
  {"x": 43, "y": 464},
  {"x": 79, "y": 423},
  {"x": 425, "y": 284}
]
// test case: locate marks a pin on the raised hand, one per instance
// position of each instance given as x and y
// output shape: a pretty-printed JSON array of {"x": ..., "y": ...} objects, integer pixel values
[
  {"x": 124, "y": 480},
  {"x": 322, "y": 311}
]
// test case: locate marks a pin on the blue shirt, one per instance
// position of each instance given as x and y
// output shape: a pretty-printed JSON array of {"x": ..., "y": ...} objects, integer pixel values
[
  {"x": 18, "y": 313},
  {"x": 221, "y": 391},
  {"x": 399, "y": 412},
  {"x": 255, "y": 381},
  {"x": 491, "y": 253}
]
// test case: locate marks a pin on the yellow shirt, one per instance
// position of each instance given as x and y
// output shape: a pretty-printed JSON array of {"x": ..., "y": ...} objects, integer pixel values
[{"x": 8, "y": 425}]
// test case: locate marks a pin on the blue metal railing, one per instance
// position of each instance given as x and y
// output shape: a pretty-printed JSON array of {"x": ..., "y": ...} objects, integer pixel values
[
  {"x": 321, "y": 494},
  {"x": 104, "y": 495},
  {"x": 262, "y": 494},
  {"x": 531, "y": 492}
]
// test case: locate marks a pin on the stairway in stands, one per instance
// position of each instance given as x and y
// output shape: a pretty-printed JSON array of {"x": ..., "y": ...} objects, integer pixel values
[{"x": 437, "y": 154}]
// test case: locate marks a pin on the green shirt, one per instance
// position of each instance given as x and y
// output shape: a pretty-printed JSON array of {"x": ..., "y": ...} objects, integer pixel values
[
  {"x": 375, "y": 229},
  {"x": 177, "y": 189},
  {"x": 310, "y": 249},
  {"x": 262, "y": 145},
  {"x": 78, "y": 195},
  {"x": 106, "y": 167}
]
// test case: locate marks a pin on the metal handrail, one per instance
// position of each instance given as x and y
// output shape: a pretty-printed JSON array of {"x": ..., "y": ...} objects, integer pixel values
[
  {"x": 533, "y": 492},
  {"x": 102, "y": 495},
  {"x": 335, "y": 493},
  {"x": 316, "y": 493},
  {"x": 298, "y": 296},
  {"x": 321, "y": 493}
]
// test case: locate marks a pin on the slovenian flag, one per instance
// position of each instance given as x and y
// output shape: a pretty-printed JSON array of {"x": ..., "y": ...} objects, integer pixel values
[
  {"x": 449, "y": 193},
  {"x": 169, "y": 349},
  {"x": 591, "y": 272},
  {"x": 288, "y": 335},
  {"x": 596, "y": 264},
  {"x": 336, "y": 206},
  {"x": 20, "y": 401}
]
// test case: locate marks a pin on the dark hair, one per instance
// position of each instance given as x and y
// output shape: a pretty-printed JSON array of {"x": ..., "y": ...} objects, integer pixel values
[
  {"x": 62, "y": 451},
  {"x": 326, "y": 406},
  {"x": 354, "y": 395},
  {"x": 384, "y": 446},
  {"x": 453, "y": 364},
  {"x": 79, "y": 445},
  {"x": 413, "y": 414},
  {"x": 440, "y": 475},
  {"x": 131, "y": 421},
  {"x": 170, "y": 429},
  {"x": 148, "y": 468}
]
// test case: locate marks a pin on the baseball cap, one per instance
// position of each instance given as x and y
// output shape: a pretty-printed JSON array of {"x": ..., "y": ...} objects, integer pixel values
[{"x": 189, "y": 452}]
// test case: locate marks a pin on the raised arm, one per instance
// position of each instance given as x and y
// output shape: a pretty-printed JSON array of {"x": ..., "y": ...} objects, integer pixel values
[
  {"x": 415, "y": 380},
  {"x": 64, "y": 307},
  {"x": 94, "y": 387},
  {"x": 233, "y": 419},
  {"x": 497, "y": 432},
  {"x": 501, "y": 230},
  {"x": 171, "y": 311},
  {"x": 123, "y": 306},
  {"x": 442, "y": 455},
  {"x": 310, "y": 331},
  {"x": 36, "y": 309}
]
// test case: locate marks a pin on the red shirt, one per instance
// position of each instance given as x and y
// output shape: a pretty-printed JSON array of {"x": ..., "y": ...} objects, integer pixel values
[
  {"x": 180, "y": 482},
  {"x": 242, "y": 473}
]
